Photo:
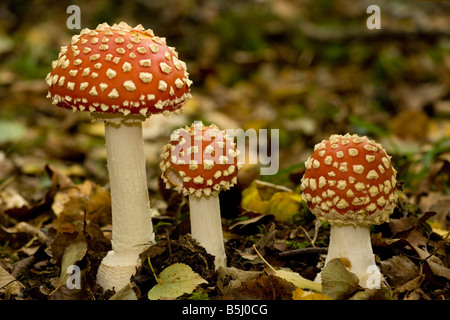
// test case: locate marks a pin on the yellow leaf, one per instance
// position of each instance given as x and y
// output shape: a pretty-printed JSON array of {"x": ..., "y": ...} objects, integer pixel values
[
  {"x": 300, "y": 294},
  {"x": 436, "y": 227},
  {"x": 298, "y": 281},
  {"x": 293, "y": 277},
  {"x": 267, "y": 198}
]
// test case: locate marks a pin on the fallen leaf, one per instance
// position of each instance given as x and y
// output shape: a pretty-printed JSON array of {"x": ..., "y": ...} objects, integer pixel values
[
  {"x": 183, "y": 250},
  {"x": 411, "y": 285},
  {"x": 74, "y": 203},
  {"x": 268, "y": 198},
  {"x": 72, "y": 254},
  {"x": 373, "y": 294},
  {"x": 265, "y": 287},
  {"x": 292, "y": 277},
  {"x": 59, "y": 179},
  {"x": 251, "y": 224},
  {"x": 337, "y": 282},
  {"x": 11, "y": 199},
  {"x": 409, "y": 228},
  {"x": 298, "y": 281},
  {"x": 267, "y": 240},
  {"x": 89, "y": 245},
  {"x": 433, "y": 262},
  {"x": 16, "y": 240},
  {"x": 229, "y": 278},
  {"x": 300, "y": 294},
  {"x": 128, "y": 292},
  {"x": 437, "y": 267},
  {"x": 31, "y": 230},
  {"x": 174, "y": 281},
  {"x": 436, "y": 227},
  {"x": 9, "y": 284},
  {"x": 439, "y": 203},
  {"x": 61, "y": 243},
  {"x": 399, "y": 269}
]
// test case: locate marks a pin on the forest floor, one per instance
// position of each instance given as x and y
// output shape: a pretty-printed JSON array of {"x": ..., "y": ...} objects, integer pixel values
[{"x": 296, "y": 70}]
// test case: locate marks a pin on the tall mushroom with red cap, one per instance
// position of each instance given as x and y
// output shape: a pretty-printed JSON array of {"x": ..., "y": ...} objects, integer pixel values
[
  {"x": 350, "y": 182},
  {"x": 200, "y": 161},
  {"x": 121, "y": 75}
]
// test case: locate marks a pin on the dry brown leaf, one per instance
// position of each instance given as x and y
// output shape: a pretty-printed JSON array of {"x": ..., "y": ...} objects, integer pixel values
[
  {"x": 439, "y": 203},
  {"x": 411, "y": 285},
  {"x": 230, "y": 278},
  {"x": 265, "y": 287},
  {"x": 399, "y": 269},
  {"x": 9, "y": 284},
  {"x": 77, "y": 202}
]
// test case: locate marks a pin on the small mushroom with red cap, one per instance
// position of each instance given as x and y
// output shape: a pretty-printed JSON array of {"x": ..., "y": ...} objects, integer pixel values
[
  {"x": 121, "y": 75},
  {"x": 350, "y": 182},
  {"x": 200, "y": 161}
]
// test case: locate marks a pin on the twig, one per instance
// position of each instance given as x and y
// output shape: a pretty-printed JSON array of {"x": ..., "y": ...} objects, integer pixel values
[
  {"x": 441, "y": 243},
  {"x": 303, "y": 251},
  {"x": 33, "y": 231},
  {"x": 5, "y": 183},
  {"x": 316, "y": 232},
  {"x": 7, "y": 284},
  {"x": 257, "y": 252},
  {"x": 21, "y": 265}
]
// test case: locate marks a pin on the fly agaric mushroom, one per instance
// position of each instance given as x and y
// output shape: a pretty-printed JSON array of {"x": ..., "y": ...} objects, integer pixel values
[
  {"x": 200, "y": 161},
  {"x": 350, "y": 182},
  {"x": 121, "y": 75}
]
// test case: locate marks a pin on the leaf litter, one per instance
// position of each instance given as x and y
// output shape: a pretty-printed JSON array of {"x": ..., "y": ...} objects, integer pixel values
[
  {"x": 54, "y": 197},
  {"x": 405, "y": 259}
]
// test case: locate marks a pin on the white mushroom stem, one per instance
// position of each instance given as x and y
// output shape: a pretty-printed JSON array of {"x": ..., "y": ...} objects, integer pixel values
[
  {"x": 353, "y": 243},
  {"x": 132, "y": 230},
  {"x": 206, "y": 226}
]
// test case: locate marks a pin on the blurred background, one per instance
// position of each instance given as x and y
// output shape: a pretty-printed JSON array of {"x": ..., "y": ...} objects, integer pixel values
[{"x": 309, "y": 68}]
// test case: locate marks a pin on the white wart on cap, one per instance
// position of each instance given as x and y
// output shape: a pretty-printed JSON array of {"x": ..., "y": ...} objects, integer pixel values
[
  {"x": 200, "y": 160},
  {"x": 350, "y": 180},
  {"x": 119, "y": 70}
]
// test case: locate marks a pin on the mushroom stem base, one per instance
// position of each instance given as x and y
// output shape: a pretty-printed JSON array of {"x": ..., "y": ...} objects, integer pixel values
[
  {"x": 352, "y": 245},
  {"x": 115, "y": 272},
  {"x": 206, "y": 226}
]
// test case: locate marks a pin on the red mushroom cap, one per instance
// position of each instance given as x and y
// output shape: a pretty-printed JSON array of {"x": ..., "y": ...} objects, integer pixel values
[
  {"x": 119, "y": 70},
  {"x": 200, "y": 160},
  {"x": 350, "y": 180}
]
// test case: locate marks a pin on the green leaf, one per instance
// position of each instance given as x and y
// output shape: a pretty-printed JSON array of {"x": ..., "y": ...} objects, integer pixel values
[
  {"x": 337, "y": 281},
  {"x": 174, "y": 281}
]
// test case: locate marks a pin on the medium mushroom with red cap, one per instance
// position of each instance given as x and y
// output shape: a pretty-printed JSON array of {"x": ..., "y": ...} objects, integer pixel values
[
  {"x": 350, "y": 182},
  {"x": 200, "y": 161},
  {"x": 121, "y": 75}
]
